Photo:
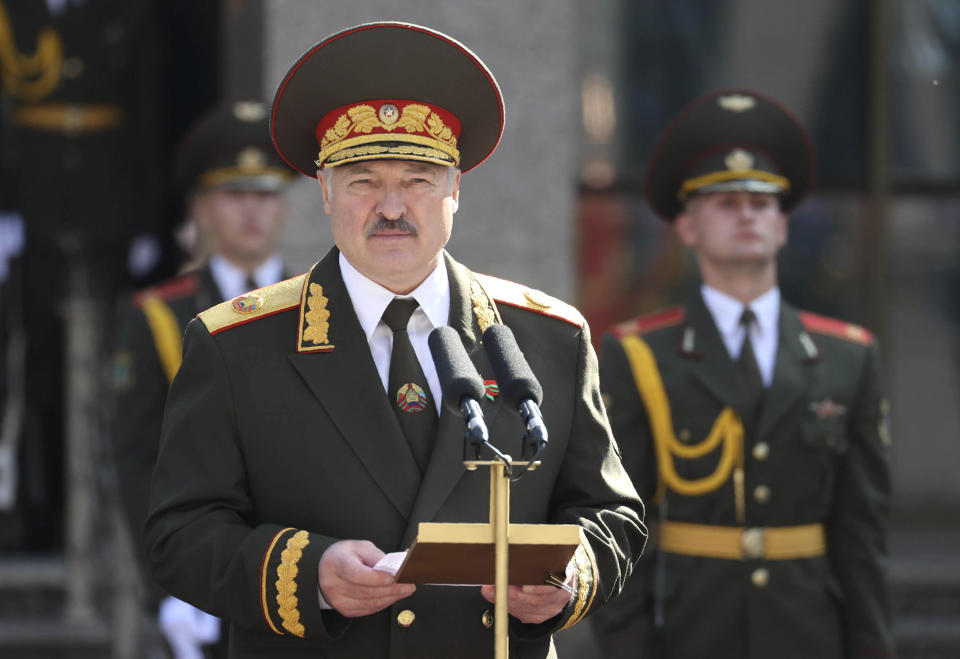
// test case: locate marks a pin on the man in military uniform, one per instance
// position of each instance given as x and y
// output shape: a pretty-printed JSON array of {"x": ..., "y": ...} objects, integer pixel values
[
  {"x": 290, "y": 461},
  {"x": 234, "y": 179},
  {"x": 757, "y": 430}
]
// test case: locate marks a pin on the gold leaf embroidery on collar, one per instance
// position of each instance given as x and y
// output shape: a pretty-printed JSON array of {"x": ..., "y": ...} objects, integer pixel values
[
  {"x": 481, "y": 307},
  {"x": 317, "y": 317}
]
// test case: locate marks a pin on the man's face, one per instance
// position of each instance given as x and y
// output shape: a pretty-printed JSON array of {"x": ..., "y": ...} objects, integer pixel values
[
  {"x": 391, "y": 218},
  {"x": 733, "y": 228},
  {"x": 243, "y": 224}
]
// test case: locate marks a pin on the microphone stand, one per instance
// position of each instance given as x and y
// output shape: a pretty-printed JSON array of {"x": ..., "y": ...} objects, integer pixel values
[{"x": 501, "y": 469}]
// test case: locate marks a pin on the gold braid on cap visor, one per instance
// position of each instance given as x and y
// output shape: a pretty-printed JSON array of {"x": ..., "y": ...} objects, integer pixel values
[
  {"x": 693, "y": 184},
  {"x": 415, "y": 132}
]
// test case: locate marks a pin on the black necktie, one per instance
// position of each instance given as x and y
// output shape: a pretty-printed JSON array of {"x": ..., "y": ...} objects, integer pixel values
[
  {"x": 747, "y": 363},
  {"x": 250, "y": 283},
  {"x": 407, "y": 388}
]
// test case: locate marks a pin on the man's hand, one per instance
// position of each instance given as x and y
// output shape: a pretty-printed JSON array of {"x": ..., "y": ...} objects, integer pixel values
[
  {"x": 534, "y": 604},
  {"x": 349, "y": 583}
]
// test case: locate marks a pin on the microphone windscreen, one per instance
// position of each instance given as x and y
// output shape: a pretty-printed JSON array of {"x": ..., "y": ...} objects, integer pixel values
[
  {"x": 514, "y": 376},
  {"x": 457, "y": 374}
]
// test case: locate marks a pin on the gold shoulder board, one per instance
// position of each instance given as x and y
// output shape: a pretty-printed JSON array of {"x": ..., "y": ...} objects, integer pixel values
[
  {"x": 259, "y": 303},
  {"x": 522, "y": 297}
]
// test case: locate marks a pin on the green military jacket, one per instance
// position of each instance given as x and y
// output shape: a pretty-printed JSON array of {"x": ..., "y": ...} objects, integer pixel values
[
  {"x": 278, "y": 440},
  {"x": 146, "y": 355},
  {"x": 818, "y": 454}
]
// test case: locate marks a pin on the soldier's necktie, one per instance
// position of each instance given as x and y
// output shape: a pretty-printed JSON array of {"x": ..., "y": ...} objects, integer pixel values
[
  {"x": 250, "y": 283},
  {"x": 747, "y": 363},
  {"x": 407, "y": 387}
]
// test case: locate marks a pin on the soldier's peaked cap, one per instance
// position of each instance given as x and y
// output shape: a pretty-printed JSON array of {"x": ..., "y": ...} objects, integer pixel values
[
  {"x": 229, "y": 146},
  {"x": 387, "y": 91},
  {"x": 730, "y": 139}
]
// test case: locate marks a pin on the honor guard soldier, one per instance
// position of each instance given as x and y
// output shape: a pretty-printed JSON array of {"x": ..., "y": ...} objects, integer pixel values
[
  {"x": 234, "y": 180},
  {"x": 292, "y": 457},
  {"x": 757, "y": 430}
]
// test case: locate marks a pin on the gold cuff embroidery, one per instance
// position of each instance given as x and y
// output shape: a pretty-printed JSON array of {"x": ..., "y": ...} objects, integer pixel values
[
  {"x": 263, "y": 581},
  {"x": 586, "y": 573},
  {"x": 287, "y": 573}
]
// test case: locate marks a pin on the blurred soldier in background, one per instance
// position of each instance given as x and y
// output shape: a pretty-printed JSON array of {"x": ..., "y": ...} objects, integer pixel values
[
  {"x": 234, "y": 180},
  {"x": 757, "y": 430},
  {"x": 78, "y": 112}
]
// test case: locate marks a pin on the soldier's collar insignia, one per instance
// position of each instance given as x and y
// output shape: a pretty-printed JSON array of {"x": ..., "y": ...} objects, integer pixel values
[
  {"x": 739, "y": 160},
  {"x": 314, "y": 320},
  {"x": 827, "y": 409},
  {"x": 411, "y": 398},
  {"x": 736, "y": 102},
  {"x": 810, "y": 351},
  {"x": 246, "y": 303},
  {"x": 492, "y": 389},
  {"x": 483, "y": 309}
]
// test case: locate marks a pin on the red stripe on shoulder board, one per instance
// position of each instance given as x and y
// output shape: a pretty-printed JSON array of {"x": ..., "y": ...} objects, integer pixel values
[
  {"x": 822, "y": 325},
  {"x": 654, "y": 321}
]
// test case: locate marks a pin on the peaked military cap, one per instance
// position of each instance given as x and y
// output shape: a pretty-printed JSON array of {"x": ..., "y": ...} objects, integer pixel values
[
  {"x": 730, "y": 140},
  {"x": 230, "y": 146},
  {"x": 387, "y": 91}
]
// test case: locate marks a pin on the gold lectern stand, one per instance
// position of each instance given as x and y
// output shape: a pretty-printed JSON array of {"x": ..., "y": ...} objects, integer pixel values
[{"x": 518, "y": 554}]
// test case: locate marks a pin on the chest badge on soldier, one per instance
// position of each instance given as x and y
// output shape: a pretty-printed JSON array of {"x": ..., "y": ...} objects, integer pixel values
[
  {"x": 827, "y": 409},
  {"x": 246, "y": 303},
  {"x": 411, "y": 398}
]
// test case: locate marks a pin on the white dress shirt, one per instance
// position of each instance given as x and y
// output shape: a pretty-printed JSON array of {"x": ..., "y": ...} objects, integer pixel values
[
  {"x": 370, "y": 300},
  {"x": 232, "y": 281},
  {"x": 764, "y": 334}
]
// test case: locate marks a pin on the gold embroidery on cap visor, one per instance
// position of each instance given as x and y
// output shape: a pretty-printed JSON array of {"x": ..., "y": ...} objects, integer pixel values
[
  {"x": 692, "y": 185},
  {"x": 423, "y": 127}
]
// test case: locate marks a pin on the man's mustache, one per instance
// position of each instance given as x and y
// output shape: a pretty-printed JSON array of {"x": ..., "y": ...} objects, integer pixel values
[{"x": 384, "y": 225}]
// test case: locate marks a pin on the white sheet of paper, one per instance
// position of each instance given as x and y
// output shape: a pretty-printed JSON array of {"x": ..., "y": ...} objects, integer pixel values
[{"x": 391, "y": 562}]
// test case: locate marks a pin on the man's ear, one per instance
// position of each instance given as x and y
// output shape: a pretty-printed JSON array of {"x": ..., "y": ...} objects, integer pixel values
[
  {"x": 326, "y": 193},
  {"x": 455, "y": 193},
  {"x": 685, "y": 228}
]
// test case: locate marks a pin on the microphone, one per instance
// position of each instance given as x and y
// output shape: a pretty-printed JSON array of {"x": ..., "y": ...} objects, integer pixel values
[
  {"x": 459, "y": 380},
  {"x": 519, "y": 387}
]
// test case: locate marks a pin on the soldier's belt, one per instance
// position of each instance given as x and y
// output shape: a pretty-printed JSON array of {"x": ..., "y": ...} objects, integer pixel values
[
  {"x": 68, "y": 119},
  {"x": 738, "y": 543}
]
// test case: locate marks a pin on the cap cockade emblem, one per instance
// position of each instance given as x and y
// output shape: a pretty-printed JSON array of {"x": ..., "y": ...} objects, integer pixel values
[
  {"x": 249, "y": 111},
  {"x": 736, "y": 102},
  {"x": 389, "y": 114},
  {"x": 411, "y": 398},
  {"x": 251, "y": 158},
  {"x": 739, "y": 160},
  {"x": 247, "y": 303}
]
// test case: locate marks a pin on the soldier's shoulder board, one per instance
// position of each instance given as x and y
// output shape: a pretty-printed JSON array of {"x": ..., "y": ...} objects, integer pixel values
[
  {"x": 258, "y": 303},
  {"x": 173, "y": 289},
  {"x": 817, "y": 324},
  {"x": 523, "y": 297},
  {"x": 650, "y": 322}
]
